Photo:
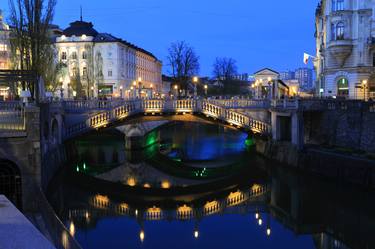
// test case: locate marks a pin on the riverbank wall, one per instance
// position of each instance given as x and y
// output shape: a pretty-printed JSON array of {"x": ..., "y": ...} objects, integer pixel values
[{"x": 353, "y": 169}]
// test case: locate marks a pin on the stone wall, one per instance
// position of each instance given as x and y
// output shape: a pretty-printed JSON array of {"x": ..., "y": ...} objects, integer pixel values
[{"x": 346, "y": 124}]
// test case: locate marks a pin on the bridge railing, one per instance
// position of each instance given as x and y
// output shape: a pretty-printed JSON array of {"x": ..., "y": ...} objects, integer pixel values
[
  {"x": 84, "y": 105},
  {"x": 107, "y": 116},
  {"x": 285, "y": 103},
  {"x": 241, "y": 103},
  {"x": 12, "y": 116}
]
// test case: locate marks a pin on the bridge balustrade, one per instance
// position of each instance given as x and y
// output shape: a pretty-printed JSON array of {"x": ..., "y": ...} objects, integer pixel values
[
  {"x": 12, "y": 116},
  {"x": 285, "y": 103},
  {"x": 241, "y": 103},
  {"x": 184, "y": 105},
  {"x": 100, "y": 119},
  {"x": 154, "y": 105}
]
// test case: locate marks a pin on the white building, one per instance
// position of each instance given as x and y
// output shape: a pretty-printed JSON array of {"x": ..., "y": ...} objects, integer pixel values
[
  {"x": 106, "y": 65},
  {"x": 268, "y": 85},
  {"x": 5, "y": 50},
  {"x": 345, "y": 32}
]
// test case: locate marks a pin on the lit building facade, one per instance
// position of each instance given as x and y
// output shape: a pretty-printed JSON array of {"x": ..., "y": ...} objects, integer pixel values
[
  {"x": 345, "y": 40},
  {"x": 4, "y": 44},
  {"x": 5, "y": 61},
  {"x": 305, "y": 77},
  {"x": 106, "y": 65}
]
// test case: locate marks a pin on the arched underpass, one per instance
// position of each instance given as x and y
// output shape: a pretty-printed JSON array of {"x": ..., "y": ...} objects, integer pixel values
[{"x": 11, "y": 182}]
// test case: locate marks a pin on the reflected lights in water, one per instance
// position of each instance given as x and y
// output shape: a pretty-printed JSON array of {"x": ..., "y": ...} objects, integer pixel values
[
  {"x": 147, "y": 185},
  {"x": 260, "y": 222},
  {"x": 131, "y": 181},
  {"x": 142, "y": 235},
  {"x": 268, "y": 231},
  {"x": 196, "y": 234},
  {"x": 165, "y": 184},
  {"x": 72, "y": 229}
]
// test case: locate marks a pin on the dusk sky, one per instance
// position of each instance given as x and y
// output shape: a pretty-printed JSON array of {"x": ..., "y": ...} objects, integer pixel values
[{"x": 257, "y": 34}]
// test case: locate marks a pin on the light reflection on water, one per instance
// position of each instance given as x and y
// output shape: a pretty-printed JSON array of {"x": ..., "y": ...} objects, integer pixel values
[{"x": 272, "y": 209}]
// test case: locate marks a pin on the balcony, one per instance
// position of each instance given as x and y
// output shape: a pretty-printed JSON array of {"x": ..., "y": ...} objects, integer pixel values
[{"x": 341, "y": 50}]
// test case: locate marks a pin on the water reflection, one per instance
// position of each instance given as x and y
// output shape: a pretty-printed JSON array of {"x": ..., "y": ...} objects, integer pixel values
[{"x": 264, "y": 206}]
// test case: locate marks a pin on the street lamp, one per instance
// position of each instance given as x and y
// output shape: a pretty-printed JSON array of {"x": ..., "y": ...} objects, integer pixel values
[
  {"x": 120, "y": 91},
  {"x": 176, "y": 89},
  {"x": 195, "y": 81},
  {"x": 92, "y": 92},
  {"x": 152, "y": 91},
  {"x": 364, "y": 82},
  {"x": 139, "y": 86},
  {"x": 205, "y": 89}
]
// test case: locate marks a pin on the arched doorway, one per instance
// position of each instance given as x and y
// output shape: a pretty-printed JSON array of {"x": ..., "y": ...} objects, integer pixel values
[
  {"x": 10, "y": 182},
  {"x": 343, "y": 87}
]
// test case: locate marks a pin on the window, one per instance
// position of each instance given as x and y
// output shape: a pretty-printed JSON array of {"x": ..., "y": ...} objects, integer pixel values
[
  {"x": 84, "y": 71},
  {"x": 343, "y": 87},
  {"x": 340, "y": 31},
  {"x": 74, "y": 55},
  {"x": 338, "y": 5},
  {"x": 75, "y": 71},
  {"x": 84, "y": 55},
  {"x": 3, "y": 47},
  {"x": 110, "y": 73},
  {"x": 63, "y": 56}
]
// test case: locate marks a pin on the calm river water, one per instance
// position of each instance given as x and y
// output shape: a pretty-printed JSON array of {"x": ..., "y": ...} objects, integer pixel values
[{"x": 202, "y": 186}]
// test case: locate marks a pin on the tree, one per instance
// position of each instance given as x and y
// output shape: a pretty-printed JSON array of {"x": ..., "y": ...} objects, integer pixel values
[
  {"x": 183, "y": 61},
  {"x": 30, "y": 38},
  {"x": 224, "y": 69}
]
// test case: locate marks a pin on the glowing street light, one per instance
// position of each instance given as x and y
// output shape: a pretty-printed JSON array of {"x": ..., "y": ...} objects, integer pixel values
[
  {"x": 268, "y": 231},
  {"x": 195, "y": 81},
  {"x": 364, "y": 82},
  {"x": 205, "y": 89}
]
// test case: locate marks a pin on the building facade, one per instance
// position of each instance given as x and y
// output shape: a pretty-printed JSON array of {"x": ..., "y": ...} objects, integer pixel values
[
  {"x": 5, "y": 59},
  {"x": 105, "y": 65},
  {"x": 345, "y": 41},
  {"x": 305, "y": 77}
]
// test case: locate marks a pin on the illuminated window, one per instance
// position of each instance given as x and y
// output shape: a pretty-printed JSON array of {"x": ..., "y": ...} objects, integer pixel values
[
  {"x": 343, "y": 87},
  {"x": 75, "y": 71},
  {"x": 3, "y": 47}
]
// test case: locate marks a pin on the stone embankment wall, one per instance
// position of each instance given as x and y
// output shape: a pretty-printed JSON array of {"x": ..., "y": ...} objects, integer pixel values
[{"x": 347, "y": 124}]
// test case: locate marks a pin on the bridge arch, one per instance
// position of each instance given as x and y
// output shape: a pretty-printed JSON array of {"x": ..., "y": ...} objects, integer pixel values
[{"x": 11, "y": 182}]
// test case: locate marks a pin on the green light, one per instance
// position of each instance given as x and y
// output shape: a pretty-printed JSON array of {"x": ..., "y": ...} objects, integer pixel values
[
  {"x": 84, "y": 166},
  {"x": 249, "y": 142},
  {"x": 152, "y": 138},
  {"x": 77, "y": 169}
]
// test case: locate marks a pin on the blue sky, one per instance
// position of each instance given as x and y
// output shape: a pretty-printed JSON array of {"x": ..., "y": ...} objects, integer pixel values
[{"x": 257, "y": 34}]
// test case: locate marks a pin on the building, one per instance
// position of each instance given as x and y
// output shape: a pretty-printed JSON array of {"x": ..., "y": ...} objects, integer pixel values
[
  {"x": 5, "y": 59},
  {"x": 287, "y": 75},
  {"x": 268, "y": 85},
  {"x": 305, "y": 77},
  {"x": 105, "y": 65},
  {"x": 345, "y": 41}
]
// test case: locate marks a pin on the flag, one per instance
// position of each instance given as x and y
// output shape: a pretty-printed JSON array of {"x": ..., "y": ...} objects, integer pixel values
[{"x": 306, "y": 58}]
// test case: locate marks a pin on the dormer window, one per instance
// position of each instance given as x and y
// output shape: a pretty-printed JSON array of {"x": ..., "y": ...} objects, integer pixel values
[{"x": 338, "y": 5}]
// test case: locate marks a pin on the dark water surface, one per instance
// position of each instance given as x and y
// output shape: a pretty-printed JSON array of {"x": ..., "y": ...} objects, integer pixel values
[{"x": 202, "y": 186}]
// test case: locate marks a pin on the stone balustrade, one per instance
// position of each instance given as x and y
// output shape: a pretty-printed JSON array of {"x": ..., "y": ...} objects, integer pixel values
[
  {"x": 119, "y": 112},
  {"x": 12, "y": 116},
  {"x": 241, "y": 103},
  {"x": 285, "y": 103}
]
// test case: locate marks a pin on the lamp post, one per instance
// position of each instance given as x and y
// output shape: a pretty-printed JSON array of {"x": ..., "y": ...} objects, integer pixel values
[
  {"x": 195, "y": 81},
  {"x": 92, "y": 92},
  {"x": 151, "y": 86},
  {"x": 205, "y": 90},
  {"x": 121, "y": 92},
  {"x": 364, "y": 82},
  {"x": 134, "y": 87},
  {"x": 62, "y": 92},
  {"x": 140, "y": 87},
  {"x": 176, "y": 89}
]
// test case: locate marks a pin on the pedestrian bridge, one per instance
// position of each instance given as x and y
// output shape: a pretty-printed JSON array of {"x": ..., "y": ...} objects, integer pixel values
[{"x": 105, "y": 113}]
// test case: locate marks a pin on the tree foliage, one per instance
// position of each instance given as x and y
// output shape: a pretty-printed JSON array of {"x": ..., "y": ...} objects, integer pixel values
[
  {"x": 183, "y": 62},
  {"x": 30, "y": 39}
]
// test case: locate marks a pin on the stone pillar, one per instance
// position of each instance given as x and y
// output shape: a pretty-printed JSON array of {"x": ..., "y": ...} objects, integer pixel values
[
  {"x": 275, "y": 126},
  {"x": 134, "y": 142},
  {"x": 31, "y": 177},
  {"x": 297, "y": 130}
]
